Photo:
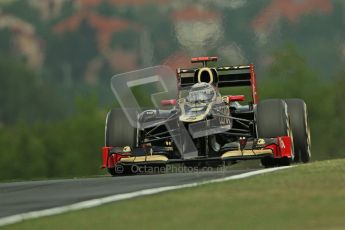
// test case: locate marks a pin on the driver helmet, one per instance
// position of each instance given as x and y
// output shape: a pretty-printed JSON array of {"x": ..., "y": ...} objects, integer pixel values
[{"x": 201, "y": 92}]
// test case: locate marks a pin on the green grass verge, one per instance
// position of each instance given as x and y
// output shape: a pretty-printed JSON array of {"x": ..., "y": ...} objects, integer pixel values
[{"x": 305, "y": 197}]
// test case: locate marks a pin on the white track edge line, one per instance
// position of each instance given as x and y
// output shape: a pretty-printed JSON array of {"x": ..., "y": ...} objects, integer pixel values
[{"x": 99, "y": 201}]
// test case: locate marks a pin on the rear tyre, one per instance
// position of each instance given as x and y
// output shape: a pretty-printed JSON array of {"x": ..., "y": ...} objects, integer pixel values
[
  {"x": 272, "y": 121},
  {"x": 298, "y": 114},
  {"x": 118, "y": 133}
]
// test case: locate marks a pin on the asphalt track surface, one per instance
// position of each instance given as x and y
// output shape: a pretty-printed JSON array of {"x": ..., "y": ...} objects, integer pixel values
[{"x": 22, "y": 197}]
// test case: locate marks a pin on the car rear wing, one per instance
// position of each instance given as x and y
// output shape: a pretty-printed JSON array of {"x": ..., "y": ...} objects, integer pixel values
[
  {"x": 227, "y": 76},
  {"x": 234, "y": 76}
]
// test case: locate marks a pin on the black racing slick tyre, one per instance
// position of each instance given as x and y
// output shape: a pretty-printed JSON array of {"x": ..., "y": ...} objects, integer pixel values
[
  {"x": 272, "y": 121},
  {"x": 298, "y": 114},
  {"x": 118, "y": 130},
  {"x": 118, "y": 133},
  {"x": 272, "y": 118}
]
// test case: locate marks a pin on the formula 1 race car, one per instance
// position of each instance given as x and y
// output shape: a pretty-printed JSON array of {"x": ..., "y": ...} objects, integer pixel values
[{"x": 202, "y": 126}]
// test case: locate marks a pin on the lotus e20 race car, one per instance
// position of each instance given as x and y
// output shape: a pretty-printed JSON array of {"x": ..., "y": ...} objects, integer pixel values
[{"x": 200, "y": 126}]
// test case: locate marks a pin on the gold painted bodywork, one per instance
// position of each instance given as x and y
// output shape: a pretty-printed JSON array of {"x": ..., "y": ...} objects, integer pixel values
[
  {"x": 144, "y": 159},
  {"x": 238, "y": 153}
]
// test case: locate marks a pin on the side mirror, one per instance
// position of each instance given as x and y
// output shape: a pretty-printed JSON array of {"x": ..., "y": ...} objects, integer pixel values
[{"x": 168, "y": 102}]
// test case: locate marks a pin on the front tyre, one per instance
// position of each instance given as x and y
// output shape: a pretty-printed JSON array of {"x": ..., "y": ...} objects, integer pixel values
[
  {"x": 298, "y": 114},
  {"x": 118, "y": 130},
  {"x": 272, "y": 121},
  {"x": 118, "y": 133}
]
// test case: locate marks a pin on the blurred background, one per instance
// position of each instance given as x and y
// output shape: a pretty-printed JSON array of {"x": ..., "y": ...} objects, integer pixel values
[{"x": 57, "y": 58}]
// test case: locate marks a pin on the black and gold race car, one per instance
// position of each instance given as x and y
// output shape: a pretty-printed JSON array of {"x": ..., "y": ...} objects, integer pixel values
[{"x": 196, "y": 123}]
